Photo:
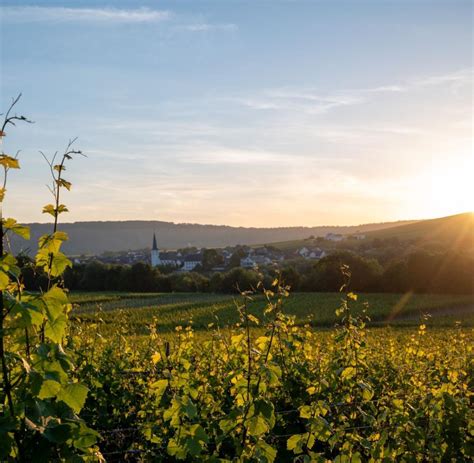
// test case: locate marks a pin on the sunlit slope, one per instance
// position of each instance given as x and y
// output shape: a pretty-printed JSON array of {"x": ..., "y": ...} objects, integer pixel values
[{"x": 456, "y": 231}]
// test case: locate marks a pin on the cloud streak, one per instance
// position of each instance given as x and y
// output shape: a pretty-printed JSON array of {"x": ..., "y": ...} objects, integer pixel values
[
  {"x": 206, "y": 27},
  {"x": 310, "y": 101},
  {"x": 26, "y": 14}
]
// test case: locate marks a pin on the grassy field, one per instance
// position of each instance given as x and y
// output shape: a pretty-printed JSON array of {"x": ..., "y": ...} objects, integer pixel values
[{"x": 318, "y": 309}]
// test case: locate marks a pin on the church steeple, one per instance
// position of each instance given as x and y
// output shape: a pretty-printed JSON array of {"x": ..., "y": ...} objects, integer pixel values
[{"x": 155, "y": 253}]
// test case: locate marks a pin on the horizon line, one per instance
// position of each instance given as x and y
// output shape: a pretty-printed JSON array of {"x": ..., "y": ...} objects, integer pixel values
[{"x": 249, "y": 227}]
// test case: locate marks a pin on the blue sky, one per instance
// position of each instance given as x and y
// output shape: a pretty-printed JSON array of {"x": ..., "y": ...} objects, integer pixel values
[{"x": 243, "y": 112}]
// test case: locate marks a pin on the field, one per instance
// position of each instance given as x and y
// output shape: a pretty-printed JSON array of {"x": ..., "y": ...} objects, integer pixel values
[
  {"x": 271, "y": 388},
  {"x": 317, "y": 309}
]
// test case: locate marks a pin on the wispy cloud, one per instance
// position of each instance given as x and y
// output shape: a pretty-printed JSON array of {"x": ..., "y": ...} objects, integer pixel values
[
  {"x": 25, "y": 14},
  {"x": 312, "y": 101},
  {"x": 303, "y": 100},
  {"x": 206, "y": 27},
  {"x": 460, "y": 77}
]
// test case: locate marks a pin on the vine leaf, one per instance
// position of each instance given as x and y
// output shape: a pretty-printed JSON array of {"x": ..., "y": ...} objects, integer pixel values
[{"x": 74, "y": 395}]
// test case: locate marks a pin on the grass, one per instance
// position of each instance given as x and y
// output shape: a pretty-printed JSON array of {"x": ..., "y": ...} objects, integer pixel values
[{"x": 169, "y": 310}]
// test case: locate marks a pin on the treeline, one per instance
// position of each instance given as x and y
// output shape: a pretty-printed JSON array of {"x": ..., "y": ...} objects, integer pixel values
[{"x": 420, "y": 272}]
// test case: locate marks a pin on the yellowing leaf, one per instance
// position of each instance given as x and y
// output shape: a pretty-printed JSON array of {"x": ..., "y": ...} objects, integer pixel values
[
  {"x": 9, "y": 162},
  {"x": 348, "y": 373},
  {"x": 13, "y": 226},
  {"x": 352, "y": 296}
]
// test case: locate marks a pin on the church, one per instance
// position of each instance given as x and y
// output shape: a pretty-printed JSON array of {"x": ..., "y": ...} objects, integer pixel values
[{"x": 167, "y": 259}]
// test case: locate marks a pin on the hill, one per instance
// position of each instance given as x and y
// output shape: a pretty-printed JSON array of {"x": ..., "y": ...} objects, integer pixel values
[
  {"x": 98, "y": 237},
  {"x": 455, "y": 231}
]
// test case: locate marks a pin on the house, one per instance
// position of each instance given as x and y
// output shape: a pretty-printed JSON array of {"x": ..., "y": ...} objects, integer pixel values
[
  {"x": 317, "y": 254},
  {"x": 191, "y": 261},
  {"x": 313, "y": 253},
  {"x": 303, "y": 252},
  {"x": 261, "y": 260},
  {"x": 334, "y": 237},
  {"x": 171, "y": 259},
  {"x": 248, "y": 262}
]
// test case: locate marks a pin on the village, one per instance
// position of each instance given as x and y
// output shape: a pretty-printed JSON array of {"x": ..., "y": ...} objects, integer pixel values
[{"x": 192, "y": 258}]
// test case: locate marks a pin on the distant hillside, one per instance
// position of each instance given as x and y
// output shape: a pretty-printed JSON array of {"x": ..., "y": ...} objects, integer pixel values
[
  {"x": 456, "y": 231},
  {"x": 98, "y": 237}
]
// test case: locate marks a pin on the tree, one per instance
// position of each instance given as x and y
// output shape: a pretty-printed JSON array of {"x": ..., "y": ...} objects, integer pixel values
[
  {"x": 238, "y": 254},
  {"x": 210, "y": 259},
  {"x": 239, "y": 279}
]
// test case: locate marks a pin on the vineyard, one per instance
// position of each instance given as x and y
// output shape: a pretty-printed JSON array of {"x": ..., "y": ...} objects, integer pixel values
[
  {"x": 167, "y": 311},
  {"x": 269, "y": 389}
]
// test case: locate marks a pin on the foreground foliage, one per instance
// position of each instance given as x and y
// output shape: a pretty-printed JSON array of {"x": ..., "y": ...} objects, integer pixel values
[
  {"x": 269, "y": 390},
  {"x": 40, "y": 392}
]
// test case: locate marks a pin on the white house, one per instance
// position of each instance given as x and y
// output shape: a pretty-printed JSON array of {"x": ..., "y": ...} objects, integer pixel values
[
  {"x": 334, "y": 237},
  {"x": 171, "y": 259},
  {"x": 191, "y": 261},
  {"x": 248, "y": 262},
  {"x": 261, "y": 260},
  {"x": 303, "y": 252},
  {"x": 315, "y": 253}
]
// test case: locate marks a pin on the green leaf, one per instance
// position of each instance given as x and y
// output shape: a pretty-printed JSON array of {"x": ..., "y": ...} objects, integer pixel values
[
  {"x": 4, "y": 280},
  {"x": 49, "y": 388},
  {"x": 176, "y": 450},
  {"x": 52, "y": 243},
  {"x": 159, "y": 388},
  {"x": 84, "y": 437},
  {"x": 74, "y": 395},
  {"x": 266, "y": 452},
  {"x": 57, "y": 295},
  {"x": 189, "y": 408},
  {"x": 295, "y": 443},
  {"x": 13, "y": 226},
  {"x": 257, "y": 425},
  {"x": 59, "y": 263},
  {"x": 56, "y": 329},
  {"x": 58, "y": 433}
]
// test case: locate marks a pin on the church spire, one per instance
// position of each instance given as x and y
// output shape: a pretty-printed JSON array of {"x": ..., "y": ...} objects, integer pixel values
[{"x": 154, "y": 247}]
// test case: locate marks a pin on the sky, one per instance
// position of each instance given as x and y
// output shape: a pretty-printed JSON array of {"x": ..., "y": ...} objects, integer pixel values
[{"x": 245, "y": 113}]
